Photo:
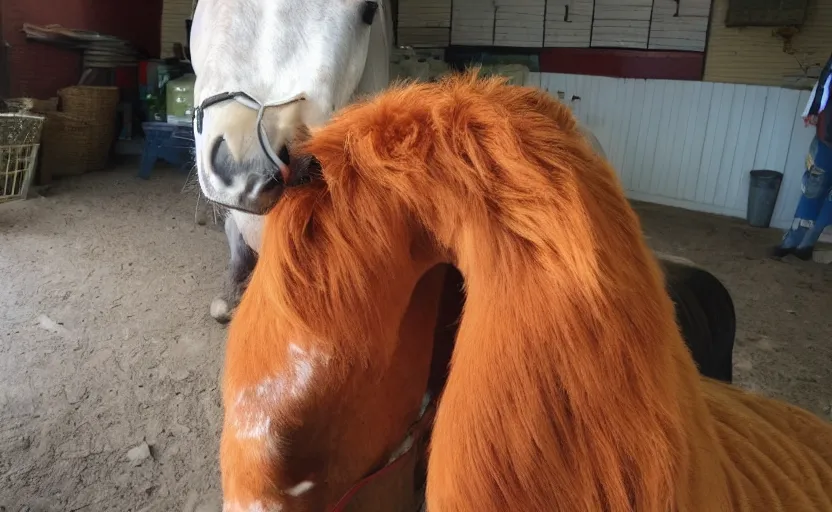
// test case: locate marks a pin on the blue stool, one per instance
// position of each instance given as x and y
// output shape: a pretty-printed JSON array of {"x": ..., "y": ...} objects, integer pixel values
[{"x": 172, "y": 143}]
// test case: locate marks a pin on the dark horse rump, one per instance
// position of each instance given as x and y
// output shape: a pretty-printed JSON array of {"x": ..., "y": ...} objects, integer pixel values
[{"x": 706, "y": 317}]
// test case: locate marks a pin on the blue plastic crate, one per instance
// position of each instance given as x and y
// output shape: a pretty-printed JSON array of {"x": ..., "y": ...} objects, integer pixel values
[{"x": 169, "y": 142}]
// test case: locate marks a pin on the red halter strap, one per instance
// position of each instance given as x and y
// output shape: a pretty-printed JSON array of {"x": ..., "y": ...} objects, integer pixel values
[{"x": 417, "y": 431}]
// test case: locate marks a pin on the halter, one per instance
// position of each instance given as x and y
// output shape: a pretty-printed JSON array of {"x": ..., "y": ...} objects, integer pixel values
[
  {"x": 246, "y": 100},
  {"x": 414, "y": 435}
]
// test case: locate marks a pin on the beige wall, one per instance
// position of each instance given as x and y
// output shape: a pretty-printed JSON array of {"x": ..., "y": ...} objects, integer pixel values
[
  {"x": 174, "y": 14},
  {"x": 753, "y": 56}
]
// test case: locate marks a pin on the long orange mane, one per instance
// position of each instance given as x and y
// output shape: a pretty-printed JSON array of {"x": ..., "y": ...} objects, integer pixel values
[{"x": 564, "y": 391}]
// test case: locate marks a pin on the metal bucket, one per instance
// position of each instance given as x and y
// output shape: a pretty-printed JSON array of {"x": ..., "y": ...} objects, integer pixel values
[{"x": 762, "y": 197}]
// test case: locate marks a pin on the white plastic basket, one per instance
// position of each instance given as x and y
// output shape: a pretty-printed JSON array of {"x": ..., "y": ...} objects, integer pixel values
[
  {"x": 19, "y": 144},
  {"x": 17, "y": 168}
]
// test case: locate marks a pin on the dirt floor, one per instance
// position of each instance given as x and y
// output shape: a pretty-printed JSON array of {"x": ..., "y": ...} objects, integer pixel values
[{"x": 110, "y": 363}]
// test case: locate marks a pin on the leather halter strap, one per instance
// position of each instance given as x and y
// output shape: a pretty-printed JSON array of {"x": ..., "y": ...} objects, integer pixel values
[{"x": 414, "y": 434}]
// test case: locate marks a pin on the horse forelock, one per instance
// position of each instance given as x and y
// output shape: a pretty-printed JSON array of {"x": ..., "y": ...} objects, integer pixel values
[{"x": 354, "y": 268}]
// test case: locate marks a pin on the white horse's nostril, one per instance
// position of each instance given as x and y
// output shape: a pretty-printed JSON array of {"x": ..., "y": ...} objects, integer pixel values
[{"x": 222, "y": 162}]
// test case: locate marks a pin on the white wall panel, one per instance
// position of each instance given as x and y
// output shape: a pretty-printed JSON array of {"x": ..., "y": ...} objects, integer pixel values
[
  {"x": 692, "y": 144},
  {"x": 643, "y": 24},
  {"x": 473, "y": 22},
  {"x": 424, "y": 22},
  {"x": 568, "y": 23},
  {"x": 519, "y": 23},
  {"x": 621, "y": 23},
  {"x": 678, "y": 26}
]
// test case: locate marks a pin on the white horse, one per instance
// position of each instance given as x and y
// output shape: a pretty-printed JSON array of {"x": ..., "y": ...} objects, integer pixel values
[{"x": 266, "y": 68}]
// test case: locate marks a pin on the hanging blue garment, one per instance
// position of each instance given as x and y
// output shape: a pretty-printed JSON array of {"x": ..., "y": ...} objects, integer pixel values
[{"x": 814, "y": 211}]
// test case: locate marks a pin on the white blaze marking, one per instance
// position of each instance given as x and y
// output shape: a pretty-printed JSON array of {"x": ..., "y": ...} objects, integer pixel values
[
  {"x": 302, "y": 366},
  {"x": 254, "y": 506},
  {"x": 255, "y": 405},
  {"x": 300, "y": 488},
  {"x": 254, "y": 424}
]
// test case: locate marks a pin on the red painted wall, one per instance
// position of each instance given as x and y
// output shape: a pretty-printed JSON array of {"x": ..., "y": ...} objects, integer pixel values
[
  {"x": 624, "y": 63},
  {"x": 39, "y": 70}
]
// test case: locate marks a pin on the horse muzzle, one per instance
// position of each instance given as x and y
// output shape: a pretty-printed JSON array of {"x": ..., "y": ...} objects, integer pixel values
[{"x": 252, "y": 184}]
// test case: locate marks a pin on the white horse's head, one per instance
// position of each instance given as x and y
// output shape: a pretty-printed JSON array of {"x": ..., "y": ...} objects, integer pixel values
[{"x": 265, "y": 68}]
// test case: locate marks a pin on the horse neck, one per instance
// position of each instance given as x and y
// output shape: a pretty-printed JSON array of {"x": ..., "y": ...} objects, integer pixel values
[
  {"x": 569, "y": 372},
  {"x": 376, "y": 74}
]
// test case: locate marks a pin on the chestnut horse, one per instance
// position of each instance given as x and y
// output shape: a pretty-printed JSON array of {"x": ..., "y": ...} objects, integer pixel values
[{"x": 570, "y": 386}]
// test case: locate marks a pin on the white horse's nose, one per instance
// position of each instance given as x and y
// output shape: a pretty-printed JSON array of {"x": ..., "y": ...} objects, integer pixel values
[
  {"x": 245, "y": 159},
  {"x": 252, "y": 183}
]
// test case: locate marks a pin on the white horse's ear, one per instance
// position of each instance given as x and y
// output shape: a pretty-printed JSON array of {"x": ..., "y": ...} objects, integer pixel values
[{"x": 368, "y": 13}]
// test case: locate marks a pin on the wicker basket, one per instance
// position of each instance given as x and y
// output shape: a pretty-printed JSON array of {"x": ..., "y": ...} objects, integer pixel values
[
  {"x": 103, "y": 136},
  {"x": 95, "y": 108},
  {"x": 32, "y": 105},
  {"x": 20, "y": 128},
  {"x": 89, "y": 102},
  {"x": 42, "y": 106},
  {"x": 69, "y": 142},
  {"x": 19, "y": 141}
]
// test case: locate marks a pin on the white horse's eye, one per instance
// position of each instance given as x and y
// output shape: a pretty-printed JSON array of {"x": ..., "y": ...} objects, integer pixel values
[{"x": 368, "y": 11}]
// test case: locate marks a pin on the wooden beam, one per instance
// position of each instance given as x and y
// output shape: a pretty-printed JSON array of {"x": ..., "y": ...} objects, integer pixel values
[{"x": 623, "y": 63}]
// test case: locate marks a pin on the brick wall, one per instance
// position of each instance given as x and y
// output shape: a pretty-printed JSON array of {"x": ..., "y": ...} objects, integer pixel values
[{"x": 39, "y": 70}]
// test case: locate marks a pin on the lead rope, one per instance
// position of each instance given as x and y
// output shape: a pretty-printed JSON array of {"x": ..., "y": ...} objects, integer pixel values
[{"x": 414, "y": 436}]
